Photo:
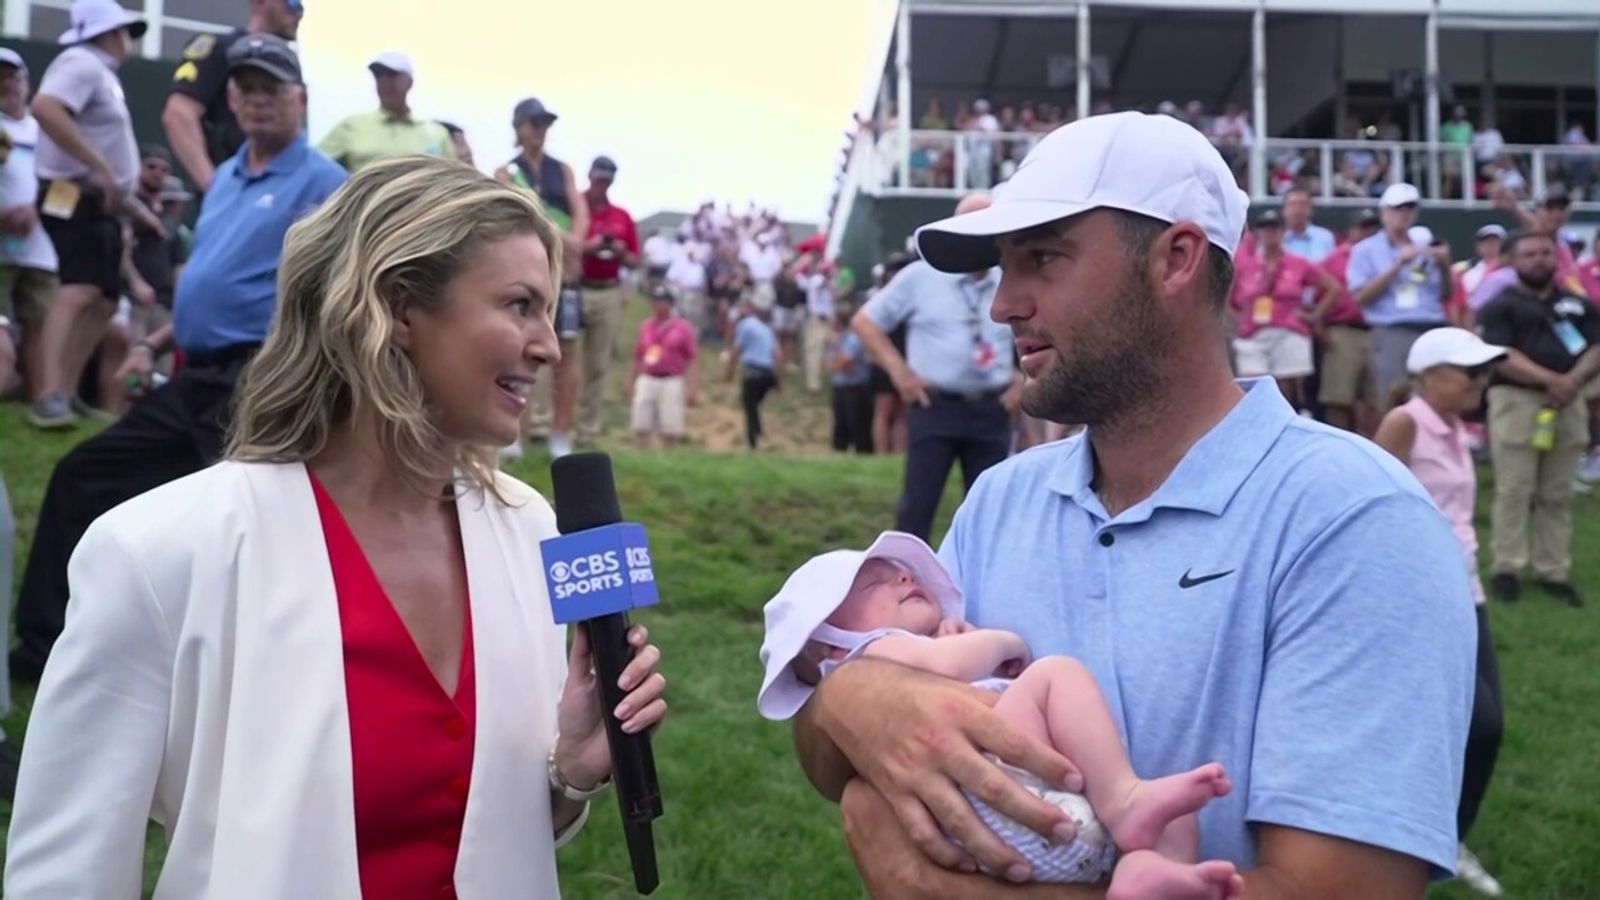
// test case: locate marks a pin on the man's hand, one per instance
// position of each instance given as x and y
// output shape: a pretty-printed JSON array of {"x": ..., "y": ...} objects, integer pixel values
[
  {"x": 1441, "y": 256},
  {"x": 140, "y": 365},
  {"x": 920, "y": 740},
  {"x": 19, "y": 220},
  {"x": 1561, "y": 391},
  {"x": 142, "y": 293},
  {"x": 110, "y": 192},
  {"x": 1409, "y": 253},
  {"x": 913, "y": 390}
]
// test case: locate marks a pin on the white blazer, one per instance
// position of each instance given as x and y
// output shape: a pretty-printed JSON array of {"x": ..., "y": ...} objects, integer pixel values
[{"x": 200, "y": 682}]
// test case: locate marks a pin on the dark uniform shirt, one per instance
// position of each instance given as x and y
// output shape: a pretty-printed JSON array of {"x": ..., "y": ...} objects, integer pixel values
[
  {"x": 1553, "y": 331},
  {"x": 203, "y": 77}
]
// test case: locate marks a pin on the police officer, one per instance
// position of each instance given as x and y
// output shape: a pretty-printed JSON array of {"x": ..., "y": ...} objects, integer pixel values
[
  {"x": 200, "y": 127},
  {"x": 957, "y": 379}
]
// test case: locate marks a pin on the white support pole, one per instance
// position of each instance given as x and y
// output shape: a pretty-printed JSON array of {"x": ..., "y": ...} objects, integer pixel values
[
  {"x": 16, "y": 17},
  {"x": 155, "y": 17},
  {"x": 1085, "y": 72},
  {"x": 1431, "y": 63},
  {"x": 902, "y": 62},
  {"x": 1258, "y": 80}
]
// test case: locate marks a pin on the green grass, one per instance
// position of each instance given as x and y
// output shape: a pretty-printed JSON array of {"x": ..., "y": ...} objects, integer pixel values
[{"x": 741, "y": 822}]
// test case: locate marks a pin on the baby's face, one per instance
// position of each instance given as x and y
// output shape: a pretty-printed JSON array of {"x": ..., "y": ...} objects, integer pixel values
[{"x": 887, "y": 595}]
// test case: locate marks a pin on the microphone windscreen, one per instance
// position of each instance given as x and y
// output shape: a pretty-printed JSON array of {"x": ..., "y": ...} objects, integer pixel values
[{"x": 585, "y": 492}]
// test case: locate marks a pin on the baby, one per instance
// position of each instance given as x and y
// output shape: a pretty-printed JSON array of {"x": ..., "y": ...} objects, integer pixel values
[{"x": 895, "y": 601}]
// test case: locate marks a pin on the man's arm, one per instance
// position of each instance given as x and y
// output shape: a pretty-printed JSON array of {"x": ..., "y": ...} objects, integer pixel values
[
  {"x": 883, "y": 352},
  {"x": 1525, "y": 371},
  {"x": 336, "y": 144},
  {"x": 56, "y": 120},
  {"x": 1374, "y": 287},
  {"x": 1588, "y": 366},
  {"x": 1291, "y": 865},
  {"x": 630, "y": 242},
  {"x": 921, "y": 739},
  {"x": 580, "y": 211},
  {"x": 180, "y": 119}
]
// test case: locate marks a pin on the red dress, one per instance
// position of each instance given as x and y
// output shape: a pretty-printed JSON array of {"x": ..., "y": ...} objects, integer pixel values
[{"x": 411, "y": 744}]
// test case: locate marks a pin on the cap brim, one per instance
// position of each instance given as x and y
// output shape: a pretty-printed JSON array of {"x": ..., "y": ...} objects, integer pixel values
[
  {"x": 260, "y": 65},
  {"x": 135, "y": 25},
  {"x": 1468, "y": 357},
  {"x": 966, "y": 243}
]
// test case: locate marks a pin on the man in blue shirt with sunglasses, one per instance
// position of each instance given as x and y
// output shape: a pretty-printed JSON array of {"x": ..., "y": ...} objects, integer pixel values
[{"x": 200, "y": 127}]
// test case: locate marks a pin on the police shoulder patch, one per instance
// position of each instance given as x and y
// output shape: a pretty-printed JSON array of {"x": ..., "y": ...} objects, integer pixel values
[
  {"x": 200, "y": 46},
  {"x": 187, "y": 72}
]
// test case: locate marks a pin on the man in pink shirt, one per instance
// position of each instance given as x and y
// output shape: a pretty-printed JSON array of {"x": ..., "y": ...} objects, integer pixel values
[
  {"x": 664, "y": 377},
  {"x": 1270, "y": 289},
  {"x": 1550, "y": 217},
  {"x": 1347, "y": 393}
]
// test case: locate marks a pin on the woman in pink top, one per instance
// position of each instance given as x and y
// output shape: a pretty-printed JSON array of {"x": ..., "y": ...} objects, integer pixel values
[{"x": 1450, "y": 370}]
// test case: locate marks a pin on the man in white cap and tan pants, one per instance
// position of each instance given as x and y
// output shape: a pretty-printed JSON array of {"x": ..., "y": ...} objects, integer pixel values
[
  {"x": 1402, "y": 281},
  {"x": 1226, "y": 569},
  {"x": 391, "y": 129}
]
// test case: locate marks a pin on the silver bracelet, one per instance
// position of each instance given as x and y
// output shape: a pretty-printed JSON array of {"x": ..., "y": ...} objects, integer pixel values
[{"x": 559, "y": 784}]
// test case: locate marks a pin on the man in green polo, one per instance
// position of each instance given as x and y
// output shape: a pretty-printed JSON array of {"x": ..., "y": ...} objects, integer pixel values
[{"x": 391, "y": 130}]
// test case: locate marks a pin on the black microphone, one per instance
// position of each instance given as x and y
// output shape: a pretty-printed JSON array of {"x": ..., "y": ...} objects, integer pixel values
[{"x": 596, "y": 571}]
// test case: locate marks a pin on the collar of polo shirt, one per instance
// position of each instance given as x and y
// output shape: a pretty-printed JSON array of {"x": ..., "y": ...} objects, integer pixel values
[{"x": 1210, "y": 473}]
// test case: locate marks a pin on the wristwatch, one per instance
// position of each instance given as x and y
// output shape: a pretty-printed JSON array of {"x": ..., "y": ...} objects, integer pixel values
[{"x": 558, "y": 783}]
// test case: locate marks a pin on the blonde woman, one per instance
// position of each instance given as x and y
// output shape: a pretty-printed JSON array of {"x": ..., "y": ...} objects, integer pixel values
[
  {"x": 327, "y": 665},
  {"x": 1450, "y": 370}
]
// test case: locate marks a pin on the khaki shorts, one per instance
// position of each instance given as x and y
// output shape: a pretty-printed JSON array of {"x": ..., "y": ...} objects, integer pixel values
[
  {"x": 25, "y": 293},
  {"x": 658, "y": 405},
  {"x": 1591, "y": 391},
  {"x": 1278, "y": 352},
  {"x": 1346, "y": 367}
]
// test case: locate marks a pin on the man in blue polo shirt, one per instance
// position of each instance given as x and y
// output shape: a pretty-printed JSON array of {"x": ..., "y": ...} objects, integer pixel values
[
  {"x": 223, "y": 308},
  {"x": 1229, "y": 572},
  {"x": 1402, "y": 279}
]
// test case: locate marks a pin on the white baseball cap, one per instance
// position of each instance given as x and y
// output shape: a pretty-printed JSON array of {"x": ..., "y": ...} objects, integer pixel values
[
  {"x": 1491, "y": 230},
  {"x": 1450, "y": 347},
  {"x": 12, "y": 58},
  {"x": 815, "y": 590},
  {"x": 92, "y": 18},
  {"x": 1153, "y": 165},
  {"x": 394, "y": 61},
  {"x": 1399, "y": 194}
]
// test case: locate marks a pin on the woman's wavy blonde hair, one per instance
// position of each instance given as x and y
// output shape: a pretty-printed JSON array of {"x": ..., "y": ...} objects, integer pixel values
[{"x": 393, "y": 236}]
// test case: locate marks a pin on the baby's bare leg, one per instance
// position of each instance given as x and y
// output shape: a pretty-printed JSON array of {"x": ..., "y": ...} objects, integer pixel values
[{"x": 1061, "y": 694}]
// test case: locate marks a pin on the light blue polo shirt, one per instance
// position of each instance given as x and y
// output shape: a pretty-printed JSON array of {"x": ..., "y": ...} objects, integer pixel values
[
  {"x": 1414, "y": 297},
  {"x": 946, "y": 316},
  {"x": 229, "y": 290},
  {"x": 1314, "y": 244},
  {"x": 1289, "y": 603},
  {"x": 756, "y": 343}
]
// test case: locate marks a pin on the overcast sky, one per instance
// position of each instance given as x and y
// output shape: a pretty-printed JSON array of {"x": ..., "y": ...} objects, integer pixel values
[{"x": 733, "y": 99}]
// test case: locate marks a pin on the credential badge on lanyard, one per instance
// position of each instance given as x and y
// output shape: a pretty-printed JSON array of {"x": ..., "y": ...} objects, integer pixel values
[{"x": 983, "y": 350}]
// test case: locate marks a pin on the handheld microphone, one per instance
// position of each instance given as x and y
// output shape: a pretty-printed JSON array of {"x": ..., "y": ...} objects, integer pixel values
[{"x": 597, "y": 570}]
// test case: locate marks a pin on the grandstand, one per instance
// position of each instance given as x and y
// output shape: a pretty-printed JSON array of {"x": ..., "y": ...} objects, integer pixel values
[{"x": 1325, "y": 84}]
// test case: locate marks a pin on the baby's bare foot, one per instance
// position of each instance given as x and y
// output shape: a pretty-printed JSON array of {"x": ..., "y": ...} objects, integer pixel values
[
  {"x": 1154, "y": 804},
  {"x": 1147, "y": 875}
]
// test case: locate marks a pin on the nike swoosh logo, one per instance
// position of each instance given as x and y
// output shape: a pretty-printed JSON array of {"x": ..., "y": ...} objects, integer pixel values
[{"x": 1187, "y": 582}]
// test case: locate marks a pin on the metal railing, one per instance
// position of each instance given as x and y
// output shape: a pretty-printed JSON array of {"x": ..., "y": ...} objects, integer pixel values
[{"x": 1348, "y": 173}]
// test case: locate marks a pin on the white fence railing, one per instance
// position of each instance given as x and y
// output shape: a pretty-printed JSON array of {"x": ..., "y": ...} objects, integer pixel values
[{"x": 1353, "y": 173}]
